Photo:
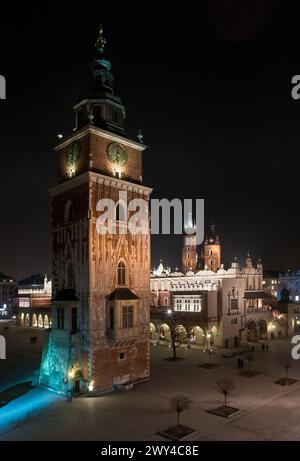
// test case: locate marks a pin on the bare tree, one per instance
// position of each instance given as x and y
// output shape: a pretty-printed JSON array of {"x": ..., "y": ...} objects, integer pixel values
[
  {"x": 179, "y": 403},
  {"x": 287, "y": 364},
  {"x": 176, "y": 333},
  {"x": 225, "y": 386},
  {"x": 249, "y": 359}
]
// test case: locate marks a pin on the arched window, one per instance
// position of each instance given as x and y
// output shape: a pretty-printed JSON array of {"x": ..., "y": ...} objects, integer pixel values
[
  {"x": 121, "y": 273},
  {"x": 69, "y": 212},
  {"x": 210, "y": 252},
  {"x": 118, "y": 212},
  {"x": 121, "y": 209}
]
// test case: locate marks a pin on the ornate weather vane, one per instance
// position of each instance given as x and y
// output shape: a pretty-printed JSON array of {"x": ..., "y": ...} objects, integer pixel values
[{"x": 101, "y": 41}]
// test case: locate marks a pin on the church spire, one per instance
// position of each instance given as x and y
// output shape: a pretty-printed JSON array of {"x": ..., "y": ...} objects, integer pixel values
[
  {"x": 212, "y": 237},
  {"x": 248, "y": 261}
]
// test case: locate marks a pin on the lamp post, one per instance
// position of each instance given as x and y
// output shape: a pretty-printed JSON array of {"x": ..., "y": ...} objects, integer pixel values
[{"x": 208, "y": 336}]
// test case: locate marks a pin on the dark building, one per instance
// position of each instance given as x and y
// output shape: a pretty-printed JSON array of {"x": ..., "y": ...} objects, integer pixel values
[{"x": 8, "y": 289}]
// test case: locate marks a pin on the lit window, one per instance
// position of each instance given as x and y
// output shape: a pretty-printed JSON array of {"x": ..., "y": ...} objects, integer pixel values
[
  {"x": 127, "y": 317},
  {"x": 24, "y": 302}
]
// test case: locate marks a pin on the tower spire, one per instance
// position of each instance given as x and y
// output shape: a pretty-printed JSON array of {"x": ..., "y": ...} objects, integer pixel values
[
  {"x": 99, "y": 105},
  {"x": 212, "y": 249}
]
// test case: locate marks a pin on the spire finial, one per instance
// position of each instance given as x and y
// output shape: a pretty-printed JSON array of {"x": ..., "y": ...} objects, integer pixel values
[{"x": 101, "y": 41}]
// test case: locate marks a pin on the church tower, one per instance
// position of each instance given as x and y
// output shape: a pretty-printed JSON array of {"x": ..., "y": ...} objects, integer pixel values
[
  {"x": 212, "y": 250},
  {"x": 100, "y": 331},
  {"x": 189, "y": 250}
]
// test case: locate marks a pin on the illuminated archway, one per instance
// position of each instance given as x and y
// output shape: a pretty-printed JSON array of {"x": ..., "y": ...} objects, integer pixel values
[
  {"x": 213, "y": 332},
  {"x": 182, "y": 333},
  {"x": 27, "y": 320},
  {"x": 263, "y": 329},
  {"x": 40, "y": 321},
  {"x": 252, "y": 331},
  {"x": 152, "y": 331},
  {"x": 164, "y": 332},
  {"x": 46, "y": 321},
  {"x": 22, "y": 318},
  {"x": 197, "y": 335},
  {"x": 34, "y": 321}
]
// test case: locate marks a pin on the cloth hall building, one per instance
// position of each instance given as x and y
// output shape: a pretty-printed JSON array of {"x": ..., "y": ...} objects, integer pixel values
[{"x": 228, "y": 306}]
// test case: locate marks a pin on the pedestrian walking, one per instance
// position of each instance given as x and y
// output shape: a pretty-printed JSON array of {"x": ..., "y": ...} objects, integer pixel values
[{"x": 69, "y": 395}]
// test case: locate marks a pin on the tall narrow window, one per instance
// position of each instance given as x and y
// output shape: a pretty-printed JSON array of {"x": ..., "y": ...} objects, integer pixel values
[
  {"x": 60, "y": 318},
  {"x": 69, "y": 212},
  {"x": 127, "y": 317},
  {"x": 121, "y": 211},
  {"x": 74, "y": 318},
  {"x": 121, "y": 273},
  {"x": 69, "y": 275}
]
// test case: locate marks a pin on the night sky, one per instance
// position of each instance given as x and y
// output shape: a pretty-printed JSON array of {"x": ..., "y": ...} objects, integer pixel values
[{"x": 209, "y": 87}]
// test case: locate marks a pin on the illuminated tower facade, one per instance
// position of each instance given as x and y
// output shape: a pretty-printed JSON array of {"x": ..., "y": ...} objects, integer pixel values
[
  {"x": 189, "y": 250},
  {"x": 212, "y": 250},
  {"x": 100, "y": 310}
]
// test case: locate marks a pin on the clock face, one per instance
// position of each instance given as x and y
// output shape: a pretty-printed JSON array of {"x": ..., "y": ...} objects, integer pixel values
[
  {"x": 116, "y": 154},
  {"x": 73, "y": 154}
]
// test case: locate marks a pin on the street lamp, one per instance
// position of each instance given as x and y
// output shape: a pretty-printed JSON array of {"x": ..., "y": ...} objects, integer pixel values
[{"x": 208, "y": 336}]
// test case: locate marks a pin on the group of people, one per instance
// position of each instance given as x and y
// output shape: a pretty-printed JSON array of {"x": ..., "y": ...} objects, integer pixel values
[{"x": 264, "y": 347}]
